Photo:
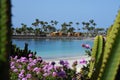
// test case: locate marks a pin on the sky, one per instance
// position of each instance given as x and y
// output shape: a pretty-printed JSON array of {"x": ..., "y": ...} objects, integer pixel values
[{"x": 103, "y": 12}]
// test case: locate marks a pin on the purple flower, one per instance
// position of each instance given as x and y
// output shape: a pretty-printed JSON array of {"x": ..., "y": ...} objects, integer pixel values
[
  {"x": 61, "y": 62},
  {"x": 50, "y": 67},
  {"x": 15, "y": 58},
  {"x": 31, "y": 64},
  {"x": 54, "y": 74},
  {"x": 22, "y": 71},
  {"x": 39, "y": 59},
  {"x": 83, "y": 61},
  {"x": 28, "y": 76},
  {"x": 30, "y": 59},
  {"x": 23, "y": 59},
  {"x": 30, "y": 55},
  {"x": 20, "y": 75},
  {"x": 12, "y": 67},
  {"x": 37, "y": 70},
  {"x": 12, "y": 63},
  {"x": 62, "y": 74},
  {"x": 35, "y": 61},
  {"x": 53, "y": 63},
  {"x": 15, "y": 70},
  {"x": 87, "y": 46},
  {"x": 28, "y": 67},
  {"x": 18, "y": 60},
  {"x": 24, "y": 78},
  {"x": 46, "y": 74},
  {"x": 66, "y": 63},
  {"x": 19, "y": 66}
]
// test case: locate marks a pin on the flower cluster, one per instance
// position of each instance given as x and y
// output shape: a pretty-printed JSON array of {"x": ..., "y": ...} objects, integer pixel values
[
  {"x": 88, "y": 49},
  {"x": 86, "y": 46},
  {"x": 36, "y": 69}
]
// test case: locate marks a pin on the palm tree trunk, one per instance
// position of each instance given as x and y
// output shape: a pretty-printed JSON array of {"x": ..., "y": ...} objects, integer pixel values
[{"x": 5, "y": 38}]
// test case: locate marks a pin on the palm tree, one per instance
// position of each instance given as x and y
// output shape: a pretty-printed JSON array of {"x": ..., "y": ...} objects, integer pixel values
[
  {"x": 90, "y": 27},
  {"x": 52, "y": 22},
  {"x": 77, "y": 23},
  {"x": 30, "y": 30},
  {"x": 70, "y": 23},
  {"x": 64, "y": 27},
  {"x": 71, "y": 29},
  {"x": 18, "y": 30},
  {"x": 24, "y": 28},
  {"x": 36, "y": 23},
  {"x": 55, "y": 22},
  {"x": 49, "y": 28},
  {"x": 37, "y": 31}
]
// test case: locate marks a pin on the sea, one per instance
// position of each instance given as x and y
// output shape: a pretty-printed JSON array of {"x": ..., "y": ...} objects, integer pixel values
[{"x": 52, "y": 48}]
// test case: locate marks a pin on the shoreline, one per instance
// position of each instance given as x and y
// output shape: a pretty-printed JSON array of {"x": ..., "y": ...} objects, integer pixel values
[
  {"x": 66, "y": 58},
  {"x": 57, "y": 37}
]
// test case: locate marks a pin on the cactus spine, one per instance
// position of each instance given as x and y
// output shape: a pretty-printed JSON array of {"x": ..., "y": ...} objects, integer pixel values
[{"x": 5, "y": 23}]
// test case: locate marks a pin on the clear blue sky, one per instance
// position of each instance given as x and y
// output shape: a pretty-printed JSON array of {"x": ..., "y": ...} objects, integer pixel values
[{"x": 102, "y": 11}]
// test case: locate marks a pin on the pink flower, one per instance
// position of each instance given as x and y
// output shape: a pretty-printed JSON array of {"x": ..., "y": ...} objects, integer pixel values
[
  {"x": 19, "y": 66},
  {"x": 30, "y": 55},
  {"x": 87, "y": 46},
  {"x": 22, "y": 71},
  {"x": 12, "y": 63},
  {"x": 30, "y": 59},
  {"x": 54, "y": 74},
  {"x": 28, "y": 67},
  {"x": 35, "y": 61},
  {"x": 83, "y": 61},
  {"x": 23, "y": 59},
  {"x": 28, "y": 76},
  {"x": 24, "y": 78},
  {"x": 46, "y": 74},
  {"x": 15, "y": 70},
  {"x": 20, "y": 75},
  {"x": 37, "y": 70},
  {"x": 15, "y": 58},
  {"x": 31, "y": 64},
  {"x": 12, "y": 67}
]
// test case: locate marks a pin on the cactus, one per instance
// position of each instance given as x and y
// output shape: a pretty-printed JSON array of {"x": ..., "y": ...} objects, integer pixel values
[
  {"x": 111, "y": 58},
  {"x": 5, "y": 37},
  {"x": 97, "y": 53},
  {"x": 107, "y": 59}
]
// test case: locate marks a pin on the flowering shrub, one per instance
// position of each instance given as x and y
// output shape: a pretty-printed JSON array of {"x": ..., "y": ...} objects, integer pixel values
[{"x": 34, "y": 68}]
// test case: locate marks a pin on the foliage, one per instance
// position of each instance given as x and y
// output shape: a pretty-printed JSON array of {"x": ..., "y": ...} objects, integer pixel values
[
  {"x": 16, "y": 51},
  {"x": 5, "y": 24}
]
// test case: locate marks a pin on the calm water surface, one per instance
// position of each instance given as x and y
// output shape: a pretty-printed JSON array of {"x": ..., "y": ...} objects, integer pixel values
[{"x": 54, "y": 48}]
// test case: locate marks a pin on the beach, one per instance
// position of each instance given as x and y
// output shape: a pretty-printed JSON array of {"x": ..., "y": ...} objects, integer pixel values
[{"x": 71, "y": 60}]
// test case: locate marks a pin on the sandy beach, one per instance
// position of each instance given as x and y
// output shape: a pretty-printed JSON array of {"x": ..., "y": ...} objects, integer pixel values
[{"x": 70, "y": 61}]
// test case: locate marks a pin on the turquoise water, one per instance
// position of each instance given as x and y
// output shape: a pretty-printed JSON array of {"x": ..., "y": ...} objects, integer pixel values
[{"x": 54, "y": 48}]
